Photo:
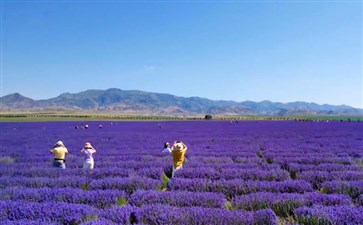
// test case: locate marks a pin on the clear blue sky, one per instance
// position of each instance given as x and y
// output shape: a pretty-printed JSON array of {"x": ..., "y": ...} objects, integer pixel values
[{"x": 278, "y": 51}]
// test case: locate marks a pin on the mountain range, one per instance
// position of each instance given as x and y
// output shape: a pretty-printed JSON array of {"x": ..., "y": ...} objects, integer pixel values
[{"x": 146, "y": 103}]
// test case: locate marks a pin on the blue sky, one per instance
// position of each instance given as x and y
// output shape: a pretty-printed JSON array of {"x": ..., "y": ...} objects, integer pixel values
[{"x": 236, "y": 50}]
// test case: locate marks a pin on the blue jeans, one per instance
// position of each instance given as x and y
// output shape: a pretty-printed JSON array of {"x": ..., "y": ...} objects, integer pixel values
[{"x": 59, "y": 164}]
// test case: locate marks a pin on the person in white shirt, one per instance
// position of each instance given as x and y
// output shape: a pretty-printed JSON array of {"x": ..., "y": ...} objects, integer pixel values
[
  {"x": 88, "y": 150},
  {"x": 167, "y": 149}
]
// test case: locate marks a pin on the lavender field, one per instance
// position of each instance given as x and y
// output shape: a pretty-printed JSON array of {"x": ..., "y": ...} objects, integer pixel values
[{"x": 246, "y": 172}]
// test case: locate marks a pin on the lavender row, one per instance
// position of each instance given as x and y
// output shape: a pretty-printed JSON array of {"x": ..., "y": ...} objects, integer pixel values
[
  {"x": 178, "y": 198},
  {"x": 127, "y": 184},
  {"x": 317, "y": 149},
  {"x": 137, "y": 164},
  {"x": 140, "y": 156},
  {"x": 360, "y": 200},
  {"x": 267, "y": 172},
  {"x": 27, "y": 222},
  {"x": 229, "y": 187},
  {"x": 210, "y": 159},
  {"x": 155, "y": 173},
  {"x": 334, "y": 215},
  {"x": 328, "y": 167},
  {"x": 317, "y": 177},
  {"x": 283, "y": 204},
  {"x": 102, "y": 221},
  {"x": 229, "y": 174},
  {"x": 223, "y": 170},
  {"x": 219, "y": 167},
  {"x": 207, "y": 157},
  {"x": 163, "y": 214},
  {"x": 37, "y": 172},
  {"x": 351, "y": 188},
  {"x": 312, "y": 160},
  {"x": 33, "y": 170},
  {"x": 61, "y": 213},
  {"x": 235, "y": 187},
  {"x": 97, "y": 173},
  {"x": 98, "y": 164},
  {"x": 97, "y": 198},
  {"x": 40, "y": 182},
  {"x": 134, "y": 163},
  {"x": 49, "y": 212}
]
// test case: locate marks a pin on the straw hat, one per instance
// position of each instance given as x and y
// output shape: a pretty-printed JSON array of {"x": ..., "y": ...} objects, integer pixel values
[
  {"x": 88, "y": 145},
  {"x": 178, "y": 146}
]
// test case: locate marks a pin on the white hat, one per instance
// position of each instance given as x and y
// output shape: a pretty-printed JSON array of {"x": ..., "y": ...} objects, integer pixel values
[
  {"x": 59, "y": 143},
  {"x": 178, "y": 146},
  {"x": 88, "y": 145}
]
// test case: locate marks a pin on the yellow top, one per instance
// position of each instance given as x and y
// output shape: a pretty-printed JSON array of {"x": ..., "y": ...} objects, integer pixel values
[
  {"x": 59, "y": 152},
  {"x": 178, "y": 157}
]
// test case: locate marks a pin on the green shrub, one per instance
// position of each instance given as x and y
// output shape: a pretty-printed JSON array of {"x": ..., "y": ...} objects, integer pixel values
[{"x": 208, "y": 117}]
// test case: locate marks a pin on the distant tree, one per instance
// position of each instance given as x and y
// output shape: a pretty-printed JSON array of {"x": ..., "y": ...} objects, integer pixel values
[{"x": 208, "y": 117}]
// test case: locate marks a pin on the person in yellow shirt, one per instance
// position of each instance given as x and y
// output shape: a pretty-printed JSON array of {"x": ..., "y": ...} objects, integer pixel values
[
  {"x": 178, "y": 151},
  {"x": 59, "y": 151}
]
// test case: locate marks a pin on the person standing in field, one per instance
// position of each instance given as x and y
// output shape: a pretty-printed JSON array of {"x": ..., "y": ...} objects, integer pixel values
[
  {"x": 59, "y": 151},
  {"x": 178, "y": 151},
  {"x": 88, "y": 150},
  {"x": 167, "y": 149},
  {"x": 167, "y": 174}
]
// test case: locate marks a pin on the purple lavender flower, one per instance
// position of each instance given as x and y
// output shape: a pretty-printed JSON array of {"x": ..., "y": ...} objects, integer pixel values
[
  {"x": 64, "y": 213},
  {"x": 360, "y": 200},
  {"x": 238, "y": 187},
  {"x": 335, "y": 215},
  {"x": 265, "y": 217},
  {"x": 283, "y": 204},
  {"x": 99, "y": 221},
  {"x": 122, "y": 215},
  {"x": 128, "y": 185},
  {"x": 226, "y": 162},
  {"x": 317, "y": 177},
  {"x": 351, "y": 188},
  {"x": 161, "y": 214},
  {"x": 28, "y": 222},
  {"x": 178, "y": 198},
  {"x": 40, "y": 182}
]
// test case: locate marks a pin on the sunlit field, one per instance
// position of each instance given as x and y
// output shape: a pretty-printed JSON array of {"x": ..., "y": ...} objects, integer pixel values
[{"x": 237, "y": 172}]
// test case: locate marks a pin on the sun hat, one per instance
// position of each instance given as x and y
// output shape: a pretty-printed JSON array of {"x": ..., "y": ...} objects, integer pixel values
[
  {"x": 178, "y": 146},
  {"x": 88, "y": 145}
]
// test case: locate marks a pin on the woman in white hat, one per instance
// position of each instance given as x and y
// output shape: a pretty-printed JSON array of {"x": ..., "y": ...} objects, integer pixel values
[
  {"x": 178, "y": 151},
  {"x": 88, "y": 150},
  {"x": 59, "y": 151}
]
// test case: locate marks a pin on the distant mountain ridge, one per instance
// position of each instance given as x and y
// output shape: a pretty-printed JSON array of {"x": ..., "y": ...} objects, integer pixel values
[{"x": 147, "y": 103}]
